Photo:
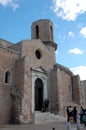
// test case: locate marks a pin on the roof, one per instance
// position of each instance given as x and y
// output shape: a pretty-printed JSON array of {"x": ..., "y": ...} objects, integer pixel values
[
  {"x": 63, "y": 68},
  {"x": 40, "y": 20},
  {"x": 5, "y": 43}
]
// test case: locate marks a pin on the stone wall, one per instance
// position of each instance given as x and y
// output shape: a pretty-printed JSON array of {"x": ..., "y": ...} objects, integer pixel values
[
  {"x": 19, "y": 75},
  {"x": 27, "y": 100},
  {"x": 24, "y": 86},
  {"x": 5, "y": 104},
  {"x": 83, "y": 83},
  {"x": 76, "y": 89},
  {"x": 64, "y": 93},
  {"x": 7, "y": 63},
  {"x": 61, "y": 90},
  {"x": 58, "y": 89},
  {"x": 29, "y": 49},
  {"x": 53, "y": 91}
]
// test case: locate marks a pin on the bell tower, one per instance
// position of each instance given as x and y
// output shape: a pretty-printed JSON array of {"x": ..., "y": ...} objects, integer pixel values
[{"x": 43, "y": 30}]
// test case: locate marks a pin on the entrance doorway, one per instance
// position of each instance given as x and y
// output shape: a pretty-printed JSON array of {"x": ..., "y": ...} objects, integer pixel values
[{"x": 38, "y": 94}]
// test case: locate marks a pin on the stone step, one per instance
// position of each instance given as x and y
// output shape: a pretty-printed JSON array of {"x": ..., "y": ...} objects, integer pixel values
[{"x": 45, "y": 117}]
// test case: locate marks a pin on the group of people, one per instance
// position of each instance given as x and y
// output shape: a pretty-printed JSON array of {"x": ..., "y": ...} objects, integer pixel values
[{"x": 72, "y": 112}]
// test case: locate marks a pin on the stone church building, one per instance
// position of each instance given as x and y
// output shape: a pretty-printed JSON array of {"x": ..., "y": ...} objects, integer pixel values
[{"x": 29, "y": 74}]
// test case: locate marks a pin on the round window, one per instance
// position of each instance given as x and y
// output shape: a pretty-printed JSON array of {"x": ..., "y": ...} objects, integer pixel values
[{"x": 38, "y": 54}]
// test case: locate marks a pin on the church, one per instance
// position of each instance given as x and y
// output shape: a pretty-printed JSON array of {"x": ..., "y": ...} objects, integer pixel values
[{"x": 29, "y": 74}]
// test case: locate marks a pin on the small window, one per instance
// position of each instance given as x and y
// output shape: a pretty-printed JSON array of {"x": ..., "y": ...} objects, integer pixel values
[
  {"x": 38, "y": 54},
  {"x": 37, "y": 31},
  {"x": 7, "y": 77},
  {"x": 51, "y": 31}
]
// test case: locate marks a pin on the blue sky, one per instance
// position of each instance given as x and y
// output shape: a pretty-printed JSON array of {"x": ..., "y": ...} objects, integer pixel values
[{"x": 69, "y": 18}]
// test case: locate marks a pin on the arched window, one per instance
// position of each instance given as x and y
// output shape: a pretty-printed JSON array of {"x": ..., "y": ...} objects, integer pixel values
[
  {"x": 37, "y": 31},
  {"x": 51, "y": 31},
  {"x": 7, "y": 77}
]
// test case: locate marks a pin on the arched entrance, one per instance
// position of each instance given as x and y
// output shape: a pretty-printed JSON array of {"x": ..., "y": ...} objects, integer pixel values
[{"x": 38, "y": 94}]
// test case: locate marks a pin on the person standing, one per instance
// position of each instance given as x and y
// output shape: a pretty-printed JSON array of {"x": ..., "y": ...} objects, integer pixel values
[
  {"x": 81, "y": 113},
  {"x": 75, "y": 114},
  {"x": 67, "y": 113},
  {"x": 46, "y": 103}
]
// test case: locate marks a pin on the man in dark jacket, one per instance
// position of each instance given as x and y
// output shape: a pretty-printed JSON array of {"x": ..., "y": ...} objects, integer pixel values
[{"x": 46, "y": 103}]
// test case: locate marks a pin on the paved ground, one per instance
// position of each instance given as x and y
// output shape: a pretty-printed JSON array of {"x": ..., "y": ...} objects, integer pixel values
[{"x": 48, "y": 126}]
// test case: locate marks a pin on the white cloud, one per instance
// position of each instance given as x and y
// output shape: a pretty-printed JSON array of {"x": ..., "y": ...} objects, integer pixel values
[
  {"x": 83, "y": 31},
  {"x": 80, "y": 70},
  {"x": 69, "y": 9},
  {"x": 56, "y": 52},
  {"x": 76, "y": 51},
  {"x": 71, "y": 34},
  {"x": 11, "y": 3}
]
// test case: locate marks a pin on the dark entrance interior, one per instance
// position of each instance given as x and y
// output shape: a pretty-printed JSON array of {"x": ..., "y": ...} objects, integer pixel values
[{"x": 38, "y": 94}]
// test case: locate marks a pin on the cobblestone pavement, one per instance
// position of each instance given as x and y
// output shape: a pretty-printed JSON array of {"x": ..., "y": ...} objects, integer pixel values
[{"x": 47, "y": 126}]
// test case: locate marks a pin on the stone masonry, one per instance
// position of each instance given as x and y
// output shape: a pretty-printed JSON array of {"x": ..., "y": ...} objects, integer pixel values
[{"x": 29, "y": 74}]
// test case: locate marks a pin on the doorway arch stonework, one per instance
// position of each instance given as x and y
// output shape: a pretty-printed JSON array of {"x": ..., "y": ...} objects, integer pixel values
[
  {"x": 38, "y": 94},
  {"x": 38, "y": 74}
]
